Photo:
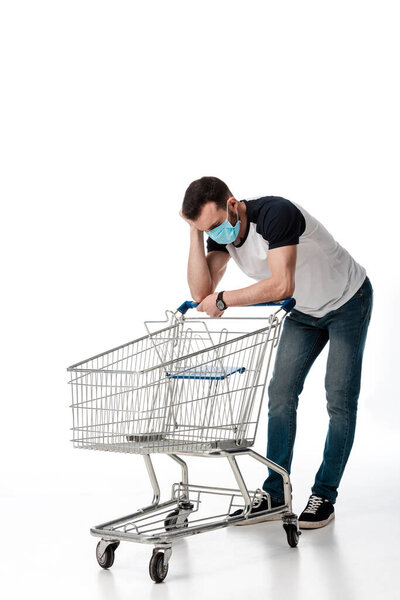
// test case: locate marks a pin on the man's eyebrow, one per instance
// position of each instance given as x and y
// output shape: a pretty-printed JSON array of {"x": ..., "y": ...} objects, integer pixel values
[{"x": 214, "y": 225}]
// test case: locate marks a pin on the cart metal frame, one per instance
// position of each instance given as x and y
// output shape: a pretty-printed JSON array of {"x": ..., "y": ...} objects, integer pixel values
[{"x": 96, "y": 382}]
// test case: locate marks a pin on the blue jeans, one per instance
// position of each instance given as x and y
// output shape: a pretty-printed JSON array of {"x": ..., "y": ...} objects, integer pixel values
[{"x": 302, "y": 339}]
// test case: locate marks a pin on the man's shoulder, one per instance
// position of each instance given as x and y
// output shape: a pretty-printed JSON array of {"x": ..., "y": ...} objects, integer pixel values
[
  {"x": 259, "y": 207},
  {"x": 277, "y": 219}
]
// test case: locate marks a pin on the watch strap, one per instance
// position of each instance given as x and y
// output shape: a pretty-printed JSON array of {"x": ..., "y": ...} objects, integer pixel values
[{"x": 220, "y": 299}]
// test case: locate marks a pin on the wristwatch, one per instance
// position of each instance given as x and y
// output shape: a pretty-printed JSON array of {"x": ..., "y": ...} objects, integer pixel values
[{"x": 220, "y": 303}]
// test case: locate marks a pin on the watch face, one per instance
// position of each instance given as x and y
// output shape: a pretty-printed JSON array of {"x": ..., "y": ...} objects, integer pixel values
[{"x": 220, "y": 305}]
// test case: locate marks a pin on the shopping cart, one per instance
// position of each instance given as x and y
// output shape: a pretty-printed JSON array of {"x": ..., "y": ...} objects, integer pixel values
[{"x": 190, "y": 386}]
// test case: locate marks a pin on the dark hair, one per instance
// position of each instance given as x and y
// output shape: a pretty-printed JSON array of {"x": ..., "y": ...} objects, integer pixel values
[{"x": 201, "y": 191}]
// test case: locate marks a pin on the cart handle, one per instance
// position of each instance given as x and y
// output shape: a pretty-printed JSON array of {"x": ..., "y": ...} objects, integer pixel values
[{"x": 286, "y": 304}]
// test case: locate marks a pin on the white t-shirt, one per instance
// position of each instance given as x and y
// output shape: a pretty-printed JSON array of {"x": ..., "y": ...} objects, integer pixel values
[{"x": 326, "y": 274}]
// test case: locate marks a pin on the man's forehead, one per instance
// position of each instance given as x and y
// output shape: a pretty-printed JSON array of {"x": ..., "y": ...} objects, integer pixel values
[{"x": 210, "y": 215}]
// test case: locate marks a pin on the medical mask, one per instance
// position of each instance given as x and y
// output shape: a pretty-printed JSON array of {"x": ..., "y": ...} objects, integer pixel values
[{"x": 225, "y": 233}]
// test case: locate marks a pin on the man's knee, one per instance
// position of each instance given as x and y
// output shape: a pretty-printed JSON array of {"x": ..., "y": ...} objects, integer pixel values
[
  {"x": 280, "y": 396},
  {"x": 342, "y": 399}
]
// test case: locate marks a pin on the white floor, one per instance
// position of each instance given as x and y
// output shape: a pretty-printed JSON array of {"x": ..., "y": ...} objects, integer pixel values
[{"x": 46, "y": 547}]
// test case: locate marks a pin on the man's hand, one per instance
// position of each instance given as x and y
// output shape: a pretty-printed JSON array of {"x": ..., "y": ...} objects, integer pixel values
[
  {"x": 208, "y": 305},
  {"x": 188, "y": 221}
]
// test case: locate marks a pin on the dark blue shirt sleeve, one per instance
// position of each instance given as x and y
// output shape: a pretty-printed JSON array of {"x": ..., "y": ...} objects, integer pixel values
[
  {"x": 281, "y": 223},
  {"x": 212, "y": 245}
]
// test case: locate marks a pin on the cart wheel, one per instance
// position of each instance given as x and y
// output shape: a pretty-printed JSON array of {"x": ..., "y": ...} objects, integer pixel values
[
  {"x": 292, "y": 535},
  {"x": 171, "y": 521},
  {"x": 107, "y": 560},
  {"x": 157, "y": 569}
]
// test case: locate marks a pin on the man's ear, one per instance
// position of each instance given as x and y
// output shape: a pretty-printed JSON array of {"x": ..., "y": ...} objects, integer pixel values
[{"x": 232, "y": 205}]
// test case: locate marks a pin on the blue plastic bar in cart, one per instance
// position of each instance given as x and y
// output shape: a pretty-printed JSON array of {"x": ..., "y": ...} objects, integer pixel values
[
  {"x": 213, "y": 373},
  {"x": 286, "y": 304}
]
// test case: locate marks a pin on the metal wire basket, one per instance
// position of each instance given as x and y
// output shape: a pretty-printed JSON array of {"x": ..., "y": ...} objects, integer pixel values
[{"x": 184, "y": 387}]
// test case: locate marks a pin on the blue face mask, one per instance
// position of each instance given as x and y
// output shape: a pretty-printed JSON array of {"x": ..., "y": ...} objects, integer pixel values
[{"x": 225, "y": 233}]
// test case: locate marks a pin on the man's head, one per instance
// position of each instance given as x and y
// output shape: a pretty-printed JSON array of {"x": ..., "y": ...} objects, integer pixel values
[{"x": 206, "y": 203}]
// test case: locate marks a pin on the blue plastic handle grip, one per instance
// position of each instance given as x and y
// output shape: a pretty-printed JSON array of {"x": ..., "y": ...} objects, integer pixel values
[
  {"x": 184, "y": 307},
  {"x": 286, "y": 304}
]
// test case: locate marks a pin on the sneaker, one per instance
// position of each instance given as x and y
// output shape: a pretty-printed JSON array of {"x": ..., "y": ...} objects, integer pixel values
[
  {"x": 259, "y": 508},
  {"x": 318, "y": 513}
]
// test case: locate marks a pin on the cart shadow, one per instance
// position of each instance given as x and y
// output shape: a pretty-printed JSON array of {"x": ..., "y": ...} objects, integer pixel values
[{"x": 320, "y": 550}]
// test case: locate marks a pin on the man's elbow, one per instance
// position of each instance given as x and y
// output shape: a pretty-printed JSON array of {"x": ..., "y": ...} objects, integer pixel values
[
  {"x": 200, "y": 297},
  {"x": 286, "y": 290},
  {"x": 289, "y": 291},
  {"x": 197, "y": 298}
]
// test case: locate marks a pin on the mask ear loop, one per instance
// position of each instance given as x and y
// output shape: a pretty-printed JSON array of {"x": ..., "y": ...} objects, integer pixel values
[{"x": 227, "y": 215}]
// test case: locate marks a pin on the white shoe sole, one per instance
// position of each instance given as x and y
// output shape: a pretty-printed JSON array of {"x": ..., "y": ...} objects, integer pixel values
[
  {"x": 316, "y": 524},
  {"x": 260, "y": 519}
]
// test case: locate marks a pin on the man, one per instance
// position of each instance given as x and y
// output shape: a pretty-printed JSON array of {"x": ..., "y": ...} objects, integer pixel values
[{"x": 289, "y": 253}]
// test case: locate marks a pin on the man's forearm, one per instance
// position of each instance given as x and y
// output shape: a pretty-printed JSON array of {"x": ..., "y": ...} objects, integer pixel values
[
  {"x": 198, "y": 273},
  {"x": 267, "y": 290}
]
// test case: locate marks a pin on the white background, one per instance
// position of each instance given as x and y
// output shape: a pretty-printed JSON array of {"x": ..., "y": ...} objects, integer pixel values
[{"x": 108, "y": 111}]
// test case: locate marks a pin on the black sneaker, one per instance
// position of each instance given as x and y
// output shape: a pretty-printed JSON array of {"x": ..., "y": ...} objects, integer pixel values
[
  {"x": 318, "y": 513},
  {"x": 261, "y": 507}
]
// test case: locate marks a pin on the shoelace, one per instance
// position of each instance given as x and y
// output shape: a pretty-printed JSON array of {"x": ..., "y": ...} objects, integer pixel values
[
  {"x": 313, "y": 504},
  {"x": 259, "y": 498},
  {"x": 257, "y": 502}
]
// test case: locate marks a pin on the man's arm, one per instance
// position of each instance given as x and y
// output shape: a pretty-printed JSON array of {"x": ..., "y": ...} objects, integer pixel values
[
  {"x": 281, "y": 284},
  {"x": 204, "y": 272}
]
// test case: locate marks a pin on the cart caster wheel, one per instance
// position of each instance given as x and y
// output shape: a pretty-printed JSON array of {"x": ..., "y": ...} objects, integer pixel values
[
  {"x": 107, "y": 560},
  {"x": 292, "y": 535},
  {"x": 157, "y": 568},
  {"x": 171, "y": 521}
]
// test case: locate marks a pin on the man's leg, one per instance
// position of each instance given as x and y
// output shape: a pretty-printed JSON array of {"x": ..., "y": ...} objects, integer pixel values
[
  {"x": 348, "y": 328},
  {"x": 298, "y": 348}
]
